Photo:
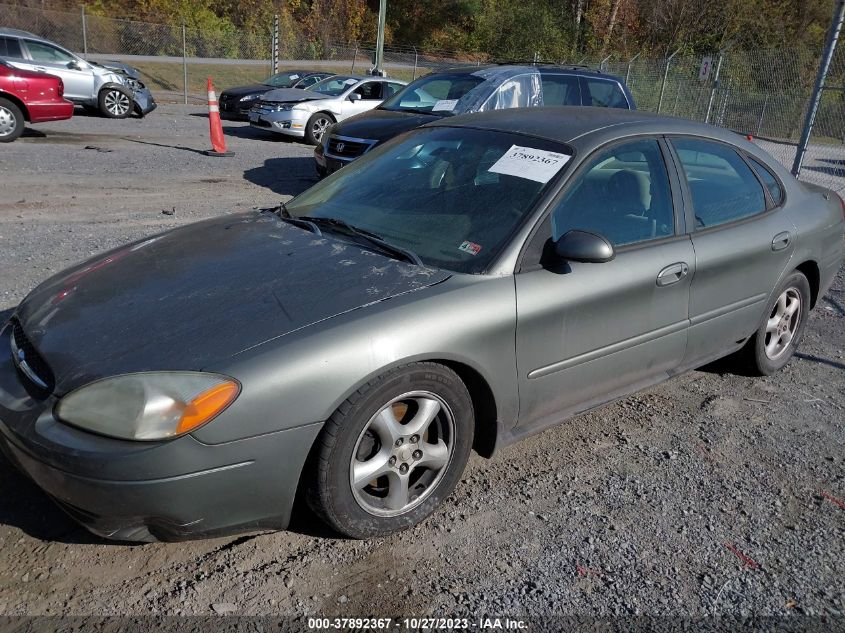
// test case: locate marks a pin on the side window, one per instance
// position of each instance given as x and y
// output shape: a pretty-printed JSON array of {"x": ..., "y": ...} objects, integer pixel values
[
  {"x": 392, "y": 89},
  {"x": 624, "y": 195},
  {"x": 45, "y": 53},
  {"x": 603, "y": 93},
  {"x": 522, "y": 91},
  {"x": 10, "y": 47},
  {"x": 560, "y": 90},
  {"x": 768, "y": 178},
  {"x": 308, "y": 81},
  {"x": 370, "y": 90},
  {"x": 722, "y": 186}
]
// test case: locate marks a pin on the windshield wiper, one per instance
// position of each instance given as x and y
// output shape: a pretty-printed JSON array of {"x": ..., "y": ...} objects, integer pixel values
[
  {"x": 373, "y": 238},
  {"x": 308, "y": 225}
]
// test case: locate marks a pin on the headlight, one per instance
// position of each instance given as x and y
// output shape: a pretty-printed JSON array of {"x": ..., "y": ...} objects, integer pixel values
[
  {"x": 134, "y": 84},
  {"x": 148, "y": 406},
  {"x": 250, "y": 97},
  {"x": 284, "y": 107}
]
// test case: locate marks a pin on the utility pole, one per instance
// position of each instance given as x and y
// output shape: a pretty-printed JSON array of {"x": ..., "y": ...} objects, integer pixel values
[
  {"x": 824, "y": 66},
  {"x": 378, "y": 62}
]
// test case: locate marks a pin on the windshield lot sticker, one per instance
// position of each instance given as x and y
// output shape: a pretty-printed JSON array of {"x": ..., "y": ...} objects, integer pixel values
[
  {"x": 470, "y": 247},
  {"x": 445, "y": 104},
  {"x": 527, "y": 162},
  {"x": 294, "y": 76},
  {"x": 349, "y": 82}
]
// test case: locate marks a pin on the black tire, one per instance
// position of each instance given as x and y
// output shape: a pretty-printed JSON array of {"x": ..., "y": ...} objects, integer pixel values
[
  {"x": 11, "y": 121},
  {"x": 329, "y": 487},
  {"x": 321, "y": 120},
  {"x": 763, "y": 362},
  {"x": 115, "y": 102}
]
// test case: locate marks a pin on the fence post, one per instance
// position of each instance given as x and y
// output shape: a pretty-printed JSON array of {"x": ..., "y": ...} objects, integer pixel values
[
  {"x": 354, "y": 57},
  {"x": 416, "y": 59},
  {"x": 715, "y": 87},
  {"x": 84, "y": 33},
  {"x": 762, "y": 114},
  {"x": 628, "y": 72},
  {"x": 184, "y": 64},
  {"x": 815, "y": 100},
  {"x": 665, "y": 79},
  {"x": 275, "y": 43},
  {"x": 603, "y": 64}
]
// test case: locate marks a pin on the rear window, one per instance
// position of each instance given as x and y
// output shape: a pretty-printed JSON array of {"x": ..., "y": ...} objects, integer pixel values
[
  {"x": 10, "y": 47},
  {"x": 560, "y": 90},
  {"x": 603, "y": 93}
]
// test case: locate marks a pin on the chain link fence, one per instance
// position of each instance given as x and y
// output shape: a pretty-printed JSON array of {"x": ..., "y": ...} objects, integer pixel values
[{"x": 765, "y": 93}]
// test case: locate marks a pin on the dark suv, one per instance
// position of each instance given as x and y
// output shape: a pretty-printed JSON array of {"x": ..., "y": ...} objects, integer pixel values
[{"x": 467, "y": 89}]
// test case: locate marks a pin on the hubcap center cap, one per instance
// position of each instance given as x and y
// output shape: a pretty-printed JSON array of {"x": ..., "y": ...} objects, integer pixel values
[{"x": 405, "y": 454}]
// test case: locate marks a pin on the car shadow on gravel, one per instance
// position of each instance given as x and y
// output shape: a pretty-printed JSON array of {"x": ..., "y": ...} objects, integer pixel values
[
  {"x": 287, "y": 176},
  {"x": 256, "y": 134}
]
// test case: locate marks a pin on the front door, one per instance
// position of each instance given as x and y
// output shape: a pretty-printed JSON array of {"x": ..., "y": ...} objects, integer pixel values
[
  {"x": 371, "y": 93},
  {"x": 587, "y": 332}
]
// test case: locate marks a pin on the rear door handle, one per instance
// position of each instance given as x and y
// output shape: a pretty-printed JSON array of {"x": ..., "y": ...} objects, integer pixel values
[
  {"x": 781, "y": 241},
  {"x": 672, "y": 274}
]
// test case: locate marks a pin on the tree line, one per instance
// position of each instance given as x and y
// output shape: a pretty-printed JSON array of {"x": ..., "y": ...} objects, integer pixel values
[{"x": 504, "y": 29}]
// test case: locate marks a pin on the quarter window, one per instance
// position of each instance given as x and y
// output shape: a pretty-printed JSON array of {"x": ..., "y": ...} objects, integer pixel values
[
  {"x": 768, "y": 178},
  {"x": 623, "y": 195},
  {"x": 722, "y": 186},
  {"x": 10, "y": 47},
  {"x": 46, "y": 53}
]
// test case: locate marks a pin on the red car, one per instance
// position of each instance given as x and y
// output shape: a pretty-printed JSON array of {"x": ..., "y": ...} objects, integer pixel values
[{"x": 29, "y": 96}]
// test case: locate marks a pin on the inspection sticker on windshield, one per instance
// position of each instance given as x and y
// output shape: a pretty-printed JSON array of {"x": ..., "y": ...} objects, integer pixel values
[
  {"x": 470, "y": 247},
  {"x": 445, "y": 104},
  {"x": 527, "y": 162},
  {"x": 294, "y": 77},
  {"x": 349, "y": 82}
]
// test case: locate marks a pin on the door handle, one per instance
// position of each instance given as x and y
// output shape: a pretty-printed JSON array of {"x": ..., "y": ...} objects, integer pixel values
[
  {"x": 41, "y": 68},
  {"x": 672, "y": 274},
  {"x": 781, "y": 241}
]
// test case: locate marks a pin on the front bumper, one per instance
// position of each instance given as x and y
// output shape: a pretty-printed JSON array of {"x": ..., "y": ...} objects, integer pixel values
[
  {"x": 143, "y": 491},
  {"x": 289, "y": 122},
  {"x": 144, "y": 101}
]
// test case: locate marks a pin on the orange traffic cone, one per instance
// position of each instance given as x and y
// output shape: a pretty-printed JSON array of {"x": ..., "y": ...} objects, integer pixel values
[{"x": 215, "y": 127}]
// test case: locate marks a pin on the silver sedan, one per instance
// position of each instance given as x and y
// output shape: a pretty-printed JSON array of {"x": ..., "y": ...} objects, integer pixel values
[{"x": 464, "y": 285}]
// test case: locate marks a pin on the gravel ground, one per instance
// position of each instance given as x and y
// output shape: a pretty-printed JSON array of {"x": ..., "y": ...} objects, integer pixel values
[{"x": 713, "y": 494}]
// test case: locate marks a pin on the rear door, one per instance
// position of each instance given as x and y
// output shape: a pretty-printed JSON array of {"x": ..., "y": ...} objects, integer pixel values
[
  {"x": 743, "y": 241},
  {"x": 77, "y": 76},
  {"x": 587, "y": 332}
]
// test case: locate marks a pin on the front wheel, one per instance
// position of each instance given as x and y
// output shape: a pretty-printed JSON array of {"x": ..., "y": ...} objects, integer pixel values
[
  {"x": 316, "y": 127},
  {"x": 392, "y": 451},
  {"x": 781, "y": 332},
  {"x": 115, "y": 103},
  {"x": 11, "y": 121}
]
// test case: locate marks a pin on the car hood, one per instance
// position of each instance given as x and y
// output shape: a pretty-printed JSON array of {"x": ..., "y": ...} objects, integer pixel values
[
  {"x": 202, "y": 293},
  {"x": 242, "y": 91},
  {"x": 381, "y": 125},
  {"x": 288, "y": 95}
]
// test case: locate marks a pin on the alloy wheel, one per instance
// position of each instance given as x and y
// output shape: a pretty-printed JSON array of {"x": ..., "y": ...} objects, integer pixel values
[
  {"x": 783, "y": 323},
  {"x": 402, "y": 454},
  {"x": 117, "y": 103},
  {"x": 8, "y": 123},
  {"x": 319, "y": 127}
]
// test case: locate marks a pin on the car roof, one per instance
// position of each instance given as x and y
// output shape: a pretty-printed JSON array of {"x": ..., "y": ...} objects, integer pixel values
[
  {"x": 515, "y": 68},
  {"x": 20, "y": 33},
  {"x": 582, "y": 125}
]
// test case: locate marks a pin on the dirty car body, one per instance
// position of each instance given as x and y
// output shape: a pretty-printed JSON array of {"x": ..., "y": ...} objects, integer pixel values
[{"x": 536, "y": 312}]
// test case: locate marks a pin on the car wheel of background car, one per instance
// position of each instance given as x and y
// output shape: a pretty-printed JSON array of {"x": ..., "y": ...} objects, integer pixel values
[
  {"x": 11, "y": 121},
  {"x": 781, "y": 332},
  {"x": 115, "y": 103},
  {"x": 392, "y": 451},
  {"x": 316, "y": 127}
]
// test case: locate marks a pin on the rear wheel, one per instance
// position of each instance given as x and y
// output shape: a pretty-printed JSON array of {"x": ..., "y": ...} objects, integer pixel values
[
  {"x": 11, "y": 121},
  {"x": 316, "y": 127},
  {"x": 115, "y": 103},
  {"x": 781, "y": 332},
  {"x": 392, "y": 452}
]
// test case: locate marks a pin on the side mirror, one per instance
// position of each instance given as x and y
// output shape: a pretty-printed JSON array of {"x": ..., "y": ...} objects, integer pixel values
[
  {"x": 582, "y": 246},
  {"x": 74, "y": 65},
  {"x": 354, "y": 96}
]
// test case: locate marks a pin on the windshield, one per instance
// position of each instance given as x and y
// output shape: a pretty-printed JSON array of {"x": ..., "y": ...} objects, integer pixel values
[
  {"x": 437, "y": 94},
  {"x": 334, "y": 86},
  {"x": 283, "y": 80},
  {"x": 453, "y": 196}
]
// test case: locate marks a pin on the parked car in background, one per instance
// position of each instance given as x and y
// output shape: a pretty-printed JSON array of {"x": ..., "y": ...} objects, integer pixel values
[
  {"x": 29, "y": 96},
  {"x": 464, "y": 285},
  {"x": 236, "y": 102},
  {"x": 309, "y": 113},
  {"x": 109, "y": 89},
  {"x": 463, "y": 90}
]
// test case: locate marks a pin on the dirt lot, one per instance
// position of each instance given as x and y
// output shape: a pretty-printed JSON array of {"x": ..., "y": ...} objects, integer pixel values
[{"x": 716, "y": 493}]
